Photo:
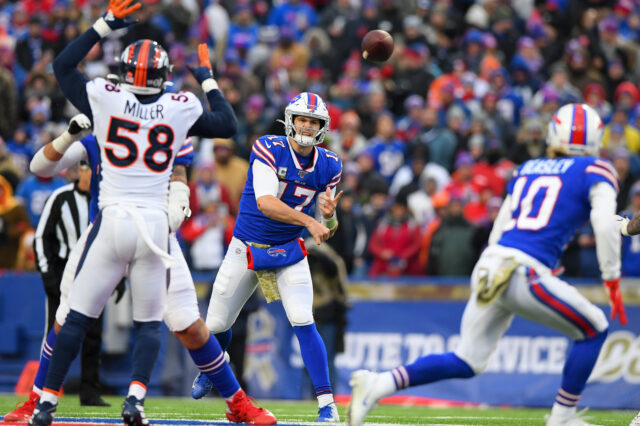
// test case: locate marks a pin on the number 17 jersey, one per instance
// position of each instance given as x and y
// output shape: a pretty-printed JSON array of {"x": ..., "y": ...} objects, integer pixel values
[
  {"x": 138, "y": 142},
  {"x": 298, "y": 187},
  {"x": 550, "y": 201}
]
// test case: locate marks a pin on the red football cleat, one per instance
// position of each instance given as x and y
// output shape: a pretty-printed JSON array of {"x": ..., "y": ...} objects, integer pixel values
[
  {"x": 242, "y": 410},
  {"x": 24, "y": 409}
]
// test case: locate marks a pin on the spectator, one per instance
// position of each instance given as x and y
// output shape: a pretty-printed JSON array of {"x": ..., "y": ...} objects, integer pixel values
[
  {"x": 440, "y": 141},
  {"x": 347, "y": 141},
  {"x": 295, "y": 15},
  {"x": 350, "y": 239},
  {"x": 627, "y": 134},
  {"x": 33, "y": 191},
  {"x": 452, "y": 252},
  {"x": 621, "y": 162},
  {"x": 386, "y": 149},
  {"x": 395, "y": 243},
  {"x": 205, "y": 232},
  {"x": 631, "y": 245},
  {"x": 14, "y": 222},
  {"x": 230, "y": 170}
]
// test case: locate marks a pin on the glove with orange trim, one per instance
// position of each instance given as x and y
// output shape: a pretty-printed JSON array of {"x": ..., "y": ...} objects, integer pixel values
[
  {"x": 116, "y": 16},
  {"x": 615, "y": 300},
  {"x": 203, "y": 72}
]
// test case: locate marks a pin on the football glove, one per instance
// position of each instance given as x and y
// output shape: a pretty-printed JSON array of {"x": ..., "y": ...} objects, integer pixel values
[
  {"x": 79, "y": 127},
  {"x": 79, "y": 123},
  {"x": 178, "y": 204},
  {"x": 116, "y": 17},
  {"x": 203, "y": 73},
  {"x": 615, "y": 300},
  {"x": 623, "y": 222}
]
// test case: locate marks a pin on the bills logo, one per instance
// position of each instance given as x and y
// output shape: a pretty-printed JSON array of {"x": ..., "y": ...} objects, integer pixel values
[{"x": 277, "y": 252}]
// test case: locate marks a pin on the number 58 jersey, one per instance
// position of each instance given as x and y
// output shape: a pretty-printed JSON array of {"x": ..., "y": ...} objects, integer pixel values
[
  {"x": 138, "y": 142},
  {"x": 550, "y": 201}
]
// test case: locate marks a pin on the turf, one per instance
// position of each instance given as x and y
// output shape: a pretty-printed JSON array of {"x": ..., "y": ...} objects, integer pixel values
[{"x": 290, "y": 412}]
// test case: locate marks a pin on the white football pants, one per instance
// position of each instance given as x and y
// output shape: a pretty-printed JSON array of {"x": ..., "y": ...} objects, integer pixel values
[
  {"x": 547, "y": 300},
  {"x": 182, "y": 303},
  {"x": 235, "y": 283}
]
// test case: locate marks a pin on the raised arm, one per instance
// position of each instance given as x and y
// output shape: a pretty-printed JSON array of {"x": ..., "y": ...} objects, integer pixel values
[
  {"x": 65, "y": 66},
  {"x": 220, "y": 121}
]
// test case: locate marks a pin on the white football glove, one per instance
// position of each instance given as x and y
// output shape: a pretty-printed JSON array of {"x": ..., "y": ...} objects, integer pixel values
[
  {"x": 623, "y": 222},
  {"x": 79, "y": 127},
  {"x": 79, "y": 123},
  {"x": 178, "y": 204}
]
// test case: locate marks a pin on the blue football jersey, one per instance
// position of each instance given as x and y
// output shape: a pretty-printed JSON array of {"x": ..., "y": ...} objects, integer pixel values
[
  {"x": 184, "y": 158},
  {"x": 550, "y": 201},
  {"x": 298, "y": 188}
]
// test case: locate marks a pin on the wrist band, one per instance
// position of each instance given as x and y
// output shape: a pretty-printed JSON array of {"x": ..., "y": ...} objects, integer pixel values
[
  {"x": 332, "y": 222},
  {"x": 62, "y": 142},
  {"x": 209, "y": 85},
  {"x": 101, "y": 27}
]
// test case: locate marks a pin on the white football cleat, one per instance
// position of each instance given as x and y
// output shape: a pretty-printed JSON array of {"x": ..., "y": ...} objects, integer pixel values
[
  {"x": 634, "y": 422},
  {"x": 362, "y": 401},
  {"x": 573, "y": 419}
]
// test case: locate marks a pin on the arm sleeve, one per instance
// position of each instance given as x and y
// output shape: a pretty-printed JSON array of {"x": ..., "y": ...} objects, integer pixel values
[
  {"x": 605, "y": 229},
  {"x": 265, "y": 180},
  {"x": 220, "y": 122},
  {"x": 42, "y": 166},
  {"x": 504, "y": 216},
  {"x": 65, "y": 66}
]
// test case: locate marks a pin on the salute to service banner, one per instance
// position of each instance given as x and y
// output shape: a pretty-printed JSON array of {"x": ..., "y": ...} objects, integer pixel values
[{"x": 525, "y": 369}]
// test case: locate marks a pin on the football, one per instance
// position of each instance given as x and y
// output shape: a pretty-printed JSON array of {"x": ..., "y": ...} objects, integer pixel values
[{"x": 377, "y": 46}]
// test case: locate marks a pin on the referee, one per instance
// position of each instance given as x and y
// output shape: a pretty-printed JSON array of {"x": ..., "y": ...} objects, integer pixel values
[{"x": 64, "y": 217}]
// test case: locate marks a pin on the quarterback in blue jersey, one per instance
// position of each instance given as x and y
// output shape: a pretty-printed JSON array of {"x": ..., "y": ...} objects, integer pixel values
[
  {"x": 182, "y": 315},
  {"x": 287, "y": 175},
  {"x": 548, "y": 200}
]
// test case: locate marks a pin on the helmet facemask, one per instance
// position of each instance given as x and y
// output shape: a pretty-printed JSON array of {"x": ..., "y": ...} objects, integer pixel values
[{"x": 306, "y": 105}]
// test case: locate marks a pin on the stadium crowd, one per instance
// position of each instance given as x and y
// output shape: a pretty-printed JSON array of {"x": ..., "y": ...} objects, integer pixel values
[{"x": 428, "y": 139}]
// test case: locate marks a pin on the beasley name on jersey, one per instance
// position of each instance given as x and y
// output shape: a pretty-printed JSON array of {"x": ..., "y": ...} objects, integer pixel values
[
  {"x": 90, "y": 144},
  {"x": 138, "y": 141},
  {"x": 550, "y": 201},
  {"x": 298, "y": 187}
]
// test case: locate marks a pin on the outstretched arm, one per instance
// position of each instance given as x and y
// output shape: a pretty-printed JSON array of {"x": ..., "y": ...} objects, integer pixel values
[
  {"x": 265, "y": 185},
  {"x": 628, "y": 226},
  {"x": 220, "y": 121},
  {"x": 65, "y": 66}
]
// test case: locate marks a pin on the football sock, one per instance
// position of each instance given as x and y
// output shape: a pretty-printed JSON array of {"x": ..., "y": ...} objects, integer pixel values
[
  {"x": 138, "y": 390},
  {"x": 224, "y": 338},
  {"x": 145, "y": 350},
  {"x": 66, "y": 348},
  {"x": 49, "y": 395},
  {"x": 210, "y": 360},
  {"x": 431, "y": 368},
  {"x": 578, "y": 367},
  {"x": 314, "y": 355},
  {"x": 45, "y": 358}
]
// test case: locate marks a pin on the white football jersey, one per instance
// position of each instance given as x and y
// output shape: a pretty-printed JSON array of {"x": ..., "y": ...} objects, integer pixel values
[{"x": 138, "y": 142}]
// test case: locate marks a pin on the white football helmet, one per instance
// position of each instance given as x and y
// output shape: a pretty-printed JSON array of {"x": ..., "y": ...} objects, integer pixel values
[
  {"x": 576, "y": 129},
  {"x": 309, "y": 105}
]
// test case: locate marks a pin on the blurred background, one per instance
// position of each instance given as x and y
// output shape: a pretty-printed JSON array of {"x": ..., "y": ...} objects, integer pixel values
[{"x": 428, "y": 141}]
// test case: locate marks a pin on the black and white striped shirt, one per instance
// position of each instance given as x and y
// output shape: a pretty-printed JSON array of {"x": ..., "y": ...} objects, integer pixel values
[{"x": 64, "y": 217}]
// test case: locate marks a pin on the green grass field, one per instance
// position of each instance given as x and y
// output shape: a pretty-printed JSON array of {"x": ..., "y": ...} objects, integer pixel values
[{"x": 290, "y": 412}]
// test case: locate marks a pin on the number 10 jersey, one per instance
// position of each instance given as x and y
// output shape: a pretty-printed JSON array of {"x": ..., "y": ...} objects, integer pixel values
[
  {"x": 550, "y": 201},
  {"x": 138, "y": 142}
]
